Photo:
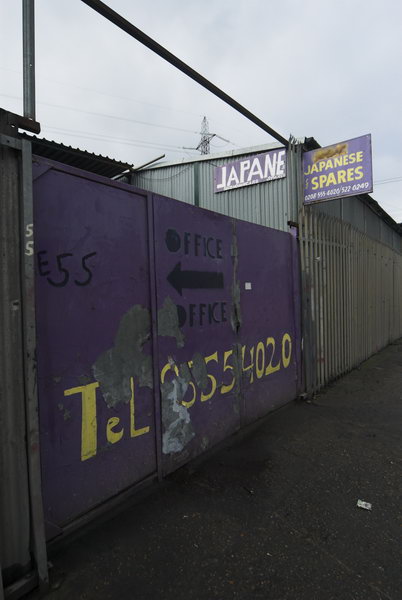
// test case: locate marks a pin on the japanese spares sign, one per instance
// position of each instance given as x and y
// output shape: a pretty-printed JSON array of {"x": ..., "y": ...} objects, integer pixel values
[
  {"x": 251, "y": 170},
  {"x": 343, "y": 169}
]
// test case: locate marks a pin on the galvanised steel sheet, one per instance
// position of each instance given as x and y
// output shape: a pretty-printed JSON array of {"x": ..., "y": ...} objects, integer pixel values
[
  {"x": 269, "y": 334},
  {"x": 198, "y": 357},
  {"x": 95, "y": 373}
]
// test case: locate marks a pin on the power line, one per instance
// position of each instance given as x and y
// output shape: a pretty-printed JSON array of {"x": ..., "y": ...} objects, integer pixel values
[
  {"x": 104, "y": 115},
  {"x": 123, "y": 141},
  {"x": 390, "y": 180},
  {"x": 122, "y": 23},
  {"x": 80, "y": 87},
  {"x": 90, "y": 134}
]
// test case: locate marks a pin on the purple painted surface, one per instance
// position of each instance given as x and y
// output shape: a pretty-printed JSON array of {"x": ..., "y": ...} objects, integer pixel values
[
  {"x": 343, "y": 169},
  {"x": 77, "y": 323},
  {"x": 270, "y": 329},
  {"x": 200, "y": 401},
  {"x": 221, "y": 289},
  {"x": 251, "y": 170}
]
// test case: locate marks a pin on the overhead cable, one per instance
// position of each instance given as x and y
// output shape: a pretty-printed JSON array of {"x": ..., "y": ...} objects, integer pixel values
[{"x": 122, "y": 23}]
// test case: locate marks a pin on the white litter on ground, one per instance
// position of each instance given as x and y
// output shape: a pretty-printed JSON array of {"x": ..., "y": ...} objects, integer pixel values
[{"x": 365, "y": 505}]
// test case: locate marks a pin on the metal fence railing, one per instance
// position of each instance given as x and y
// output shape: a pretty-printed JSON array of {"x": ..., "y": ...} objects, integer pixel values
[{"x": 352, "y": 287}]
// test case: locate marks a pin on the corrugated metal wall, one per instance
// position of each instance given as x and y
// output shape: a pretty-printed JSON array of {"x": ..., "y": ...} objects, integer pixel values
[
  {"x": 175, "y": 181},
  {"x": 353, "y": 296},
  {"x": 264, "y": 204},
  {"x": 268, "y": 204},
  {"x": 357, "y": 213},
  {"x": 272, "y": 204}
]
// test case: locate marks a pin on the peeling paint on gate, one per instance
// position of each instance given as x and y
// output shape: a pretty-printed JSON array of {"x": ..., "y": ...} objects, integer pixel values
[
  {"x": 200, "y": 406},
  {"x": 199, "y": 371},
  {"x": 95, "y": 372},
  {"x": 224, "y": 334},
  {"x": 168, "y": 322},
  {"x": 126, "y": 359},
  {"x": 178, "y": 430}
]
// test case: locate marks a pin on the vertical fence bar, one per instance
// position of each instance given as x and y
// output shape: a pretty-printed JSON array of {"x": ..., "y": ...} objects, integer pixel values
[
  {"x": 349, "y": 291},
  {"x": 313, "y": 299},
  {"x": 325, "y": 295},
  {"x": 14, "y": 487},
  {"x": 333, "y": 298},
  {"x": 315, "y": 304},
  {"x": 306, "y": 301},
  {"x": 31, "y": 397},
  {"x": 355, "y": 287},
  {"x": 321, "y": 270},
  {"x": 337, "y": 305},
  {"x": 317, "y": 292}
]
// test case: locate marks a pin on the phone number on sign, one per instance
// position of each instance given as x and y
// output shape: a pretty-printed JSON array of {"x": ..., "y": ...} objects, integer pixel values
[
  {"x": 341, "y": 190},
  {"x": 258, "y": 361}
]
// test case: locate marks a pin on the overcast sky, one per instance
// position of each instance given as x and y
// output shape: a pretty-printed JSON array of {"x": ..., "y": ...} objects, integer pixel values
[{"x": 326, "y": 69}]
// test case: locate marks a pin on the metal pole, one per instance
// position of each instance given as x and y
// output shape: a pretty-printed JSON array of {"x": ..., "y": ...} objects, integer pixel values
[
  {"x": 28, "y": 33},
  {"x": 31, "y": 396}
]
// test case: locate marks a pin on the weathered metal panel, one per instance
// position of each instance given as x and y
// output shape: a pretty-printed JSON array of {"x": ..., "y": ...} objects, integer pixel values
[
  {"x": 373, "y": 224},
  {"x": 353, "y": 292},
  {"x": 386, "y": 234},
  {"x": 147, "y": 311},
  {"x": 264, "y": 204},
  {"x": 332, "y": 208},
  {"x": 15, "y": 521},
  {"x": 197, "y": 320},
  {"x": 353, "y": 212},
  {"x": 175, "y": 182},
  {"x": 269, "y": 335},
  {"x": 228, "y": 323},
  {"x": 95, "y": 373},
  {"x": 396, "y": 242}
]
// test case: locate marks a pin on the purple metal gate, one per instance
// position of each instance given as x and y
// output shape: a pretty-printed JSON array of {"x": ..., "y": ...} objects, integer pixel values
[
  {"x": 95, "y": 372},
  {"x": 197, "y": 343},
  {"x": 162, "y": 329}
]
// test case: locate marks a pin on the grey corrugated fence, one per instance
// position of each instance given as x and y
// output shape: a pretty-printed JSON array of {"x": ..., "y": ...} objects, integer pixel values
[{"x": 353, "y": 296}]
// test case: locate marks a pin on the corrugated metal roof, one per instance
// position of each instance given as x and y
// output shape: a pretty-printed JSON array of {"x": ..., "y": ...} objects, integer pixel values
[{"x": 88, "y": 161}]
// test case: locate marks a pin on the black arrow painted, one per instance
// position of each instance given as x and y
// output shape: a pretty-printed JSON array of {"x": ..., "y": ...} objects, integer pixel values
[{"x": 194, "y": 280}]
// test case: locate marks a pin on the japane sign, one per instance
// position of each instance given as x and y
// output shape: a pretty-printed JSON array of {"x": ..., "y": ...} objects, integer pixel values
[
  {"x": 248, "y": 171},
  {"x": 344, "y": 169}
]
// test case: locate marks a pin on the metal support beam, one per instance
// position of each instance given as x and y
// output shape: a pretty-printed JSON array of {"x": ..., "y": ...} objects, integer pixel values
[
  {"x": 28, "y": 35},
  {"x": 28, "y": 31},
  {"x": 140, "y": 36}
]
